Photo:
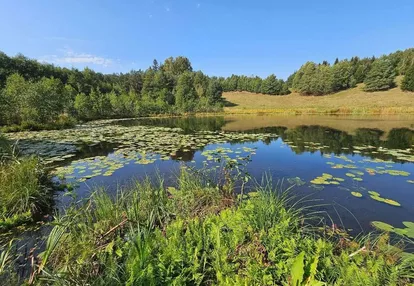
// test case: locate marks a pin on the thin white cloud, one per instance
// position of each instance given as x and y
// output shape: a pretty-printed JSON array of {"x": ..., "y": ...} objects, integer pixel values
[
  {"x": 63, "y": 39},
  {"x": 69, "y": 57},
  {"x": 198, "y": 5},
  {"x": 167, "y": 9}
]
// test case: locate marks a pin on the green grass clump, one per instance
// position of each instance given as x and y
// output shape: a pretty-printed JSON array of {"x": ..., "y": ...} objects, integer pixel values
[
  {"x": 6, "y": 149},
  {"x": 62, "y": 122},
  {"x": 25, "y": 191},
  {"x": 156, "y": 235}
]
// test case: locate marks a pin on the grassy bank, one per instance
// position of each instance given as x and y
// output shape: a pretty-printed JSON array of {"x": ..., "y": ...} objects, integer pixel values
[
  {"x": 63, "y": 122},
  {"x": 351, "y": 101},
  {"x": 25, "y": 191},
  {"x": 199, "y": 233},
  {"x": 25, "y": 188}
]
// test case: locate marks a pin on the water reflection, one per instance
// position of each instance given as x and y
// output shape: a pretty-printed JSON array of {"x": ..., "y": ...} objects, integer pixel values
[
  {"x": 345, "y": 139},
  {"x": 187, "y": 124}
]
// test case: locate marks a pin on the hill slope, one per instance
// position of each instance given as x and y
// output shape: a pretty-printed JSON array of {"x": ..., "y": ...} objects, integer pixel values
[{"x": 351, "y": 101}]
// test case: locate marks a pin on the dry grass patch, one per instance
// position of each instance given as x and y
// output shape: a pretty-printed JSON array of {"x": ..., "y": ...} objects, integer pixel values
[{"x": 352, "y": 101}]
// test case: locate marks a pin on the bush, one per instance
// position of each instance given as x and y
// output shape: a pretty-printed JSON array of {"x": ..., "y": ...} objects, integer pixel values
[
  {"x": 407, "y": 83},
  {"x": 25, "y": 191}
]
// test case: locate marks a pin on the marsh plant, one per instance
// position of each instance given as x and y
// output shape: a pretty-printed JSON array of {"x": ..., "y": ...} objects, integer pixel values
[
  {"x": 193, "y": 233},
  {"x": 25, "y": 187}
]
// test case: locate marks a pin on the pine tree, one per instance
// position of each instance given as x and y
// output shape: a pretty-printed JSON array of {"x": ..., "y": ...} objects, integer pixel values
[
  {"x": 407, "y": 83},
  {"x": 155, "y": 65},
  {"x": 380, "y": 77},
  {"x": 271, "y": 85}
]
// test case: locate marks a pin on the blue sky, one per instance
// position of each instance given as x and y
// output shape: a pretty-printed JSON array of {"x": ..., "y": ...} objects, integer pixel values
[{"x": 220, "y": 37}]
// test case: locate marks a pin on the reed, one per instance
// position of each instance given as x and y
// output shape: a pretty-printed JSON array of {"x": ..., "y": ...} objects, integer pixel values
[{"x": 25, "y": 191}]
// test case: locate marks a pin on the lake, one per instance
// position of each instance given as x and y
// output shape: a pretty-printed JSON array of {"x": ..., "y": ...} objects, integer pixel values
[{"x": 358, "y": 169}]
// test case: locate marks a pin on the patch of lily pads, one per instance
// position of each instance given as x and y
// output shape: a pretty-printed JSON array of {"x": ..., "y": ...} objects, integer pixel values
[
  {"x": 223, "y": 154},
  {"x": 134, "y": 144},
  {"x": 326, "y": 179}
]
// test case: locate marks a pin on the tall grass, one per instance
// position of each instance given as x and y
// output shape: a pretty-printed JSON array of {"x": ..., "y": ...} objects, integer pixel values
[
  {"x": 152, "y": 234},
  {"x": 64, "y": 121},
  {"x": 6, "y": 149},
  {"x": 25, "y": 191}
]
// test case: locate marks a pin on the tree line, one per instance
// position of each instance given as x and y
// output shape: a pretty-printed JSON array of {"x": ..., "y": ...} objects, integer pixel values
[
  {"x": 33, "y": 93},
  {"x": 270, "y": 85},
  {"x": 377, "y": 74}
]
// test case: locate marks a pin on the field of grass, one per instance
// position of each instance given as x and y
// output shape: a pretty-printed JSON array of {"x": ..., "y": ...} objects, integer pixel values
[{"x": 352, "y": 101}]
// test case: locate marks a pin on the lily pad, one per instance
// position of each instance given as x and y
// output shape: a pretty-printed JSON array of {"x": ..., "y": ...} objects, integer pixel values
[
  {"x": 383, "y": 226},
  {"x": 387, "y": 201},
  {"x": 356, "y": 194},
  {"x": 296, "y": 181},
  {"x": 374, "y": 193}
]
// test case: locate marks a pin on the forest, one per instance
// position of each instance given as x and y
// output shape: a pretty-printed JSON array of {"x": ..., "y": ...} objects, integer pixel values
[
  {"x": 36, "y": 95},
  {"x": 312, "y": 78}
]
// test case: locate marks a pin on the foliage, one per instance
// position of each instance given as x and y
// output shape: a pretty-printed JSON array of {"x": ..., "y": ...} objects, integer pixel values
[
  {"x": 407, "y": 83},
  {"x": 313, "y": 79},
  {"x": 343, "y": 76},
  {"x": 25, "y": 191},
  {"x": 214, "y": 91},
  {"x": 185, "y": 93},
  {"x": 380, "y": 77},
  {"x": 404, "y": 60},
  {"x": 177, "y": 66},
  {"x": 378, "y": 74},
  {"x": 35, "y": 95},
  {"x": 40, "y": 102},
  {"x": 6, "y": 150},
  {"x": 195, "y": 234},
  {"x": 270, "y": 85}
]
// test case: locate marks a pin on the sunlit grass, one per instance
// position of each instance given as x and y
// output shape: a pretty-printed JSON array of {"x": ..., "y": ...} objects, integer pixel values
[
  {"x": 153, "y": 234},
  {"x": 24, "y": 191},
  {"x": 352, "y": 101}
]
